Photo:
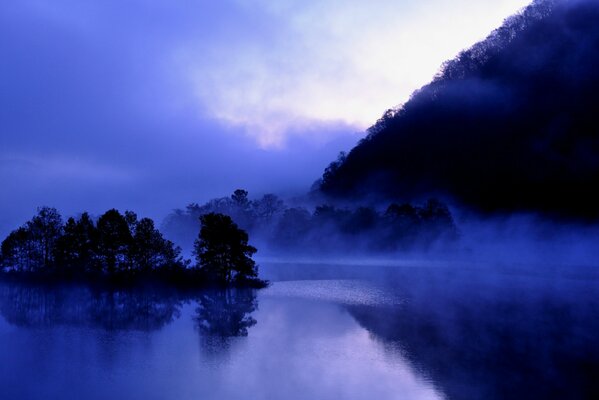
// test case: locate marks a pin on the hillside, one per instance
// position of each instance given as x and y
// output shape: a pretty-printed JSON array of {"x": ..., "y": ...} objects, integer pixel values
[{"x": 509, "y": 124}]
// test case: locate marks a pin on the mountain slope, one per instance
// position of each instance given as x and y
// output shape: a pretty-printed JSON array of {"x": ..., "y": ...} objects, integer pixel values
[{"x": 510, "y": 124}]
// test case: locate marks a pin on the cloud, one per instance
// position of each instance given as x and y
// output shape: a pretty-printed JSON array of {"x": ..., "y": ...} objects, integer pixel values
[
  {"x": 153, "y": 104},
  {"x": 271, "y": 69}
]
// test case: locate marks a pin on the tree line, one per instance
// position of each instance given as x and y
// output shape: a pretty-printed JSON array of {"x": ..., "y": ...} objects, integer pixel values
[
  {"x": 120, "y": 246},
  {"x": 325, "y": 227},
  {"x": 508, "y": 125}
]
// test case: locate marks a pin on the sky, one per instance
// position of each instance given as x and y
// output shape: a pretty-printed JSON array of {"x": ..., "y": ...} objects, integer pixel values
[{"x": 150, "y": 105}]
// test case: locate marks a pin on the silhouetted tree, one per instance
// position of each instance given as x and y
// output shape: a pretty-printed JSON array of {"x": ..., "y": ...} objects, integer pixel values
[
  {"x": 118, "y": 249},
  {"x": 131, "y": 219},
  {"x": 150, "y": 250},
  {"x": 114, "y": 241},
  {"x": 77, "y": 248},
  {"x": 240, "y": 198},
  {"x": 331, "y": 170},
  {"x": 31, "y": 247},
  {"x": 44, "y": 229},
  {"x": 18, "y": 253},
  {"x": 222, "y": 250}
]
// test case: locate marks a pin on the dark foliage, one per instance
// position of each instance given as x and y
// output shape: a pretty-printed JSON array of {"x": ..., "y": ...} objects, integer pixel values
[
  {"x": 76, "y": 248},
  {"x": 222, "y": 251},
  {"x": 509, "y": 124},
  {"x": 114, "y": 242},
  {"x": 117, "y": 249},
  {"x": 31, "y": 247}
]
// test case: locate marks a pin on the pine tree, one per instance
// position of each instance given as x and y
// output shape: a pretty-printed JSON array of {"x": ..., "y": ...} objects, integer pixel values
[{"x": 222, "y": 251}]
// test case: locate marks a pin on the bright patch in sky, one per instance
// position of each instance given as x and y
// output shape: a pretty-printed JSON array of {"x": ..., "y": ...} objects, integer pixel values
[
  {"x": 314, "y": 63},
  {"x": 149, "y": 105}
]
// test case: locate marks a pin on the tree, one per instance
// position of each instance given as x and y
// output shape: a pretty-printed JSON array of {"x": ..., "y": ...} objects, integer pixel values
[
  {"x": 45, "y": 229},
  {"x": 114, "y": 241},
  {"x": 17, "y": 251},
  {"x": 77, "y": 248},
  {"x": 331, "y": 171},
  {"x": 150, "y": 250},
  {"x": 31, "y": 247},
  {"x": 222, "y": 251},
  {"x": 240, "y": 198}
]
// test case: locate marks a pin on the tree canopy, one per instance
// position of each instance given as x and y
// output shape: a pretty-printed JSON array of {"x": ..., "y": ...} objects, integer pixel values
[
  {"x": 119, "y": 247},
  {"x": 222, "y": 251},
  {"x": 115, "y": 244}
]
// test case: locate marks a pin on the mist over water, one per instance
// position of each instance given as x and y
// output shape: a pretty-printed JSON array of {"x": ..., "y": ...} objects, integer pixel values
[
  {"x": 327, "y": 331},
  {"x": 453, "y": 254}
]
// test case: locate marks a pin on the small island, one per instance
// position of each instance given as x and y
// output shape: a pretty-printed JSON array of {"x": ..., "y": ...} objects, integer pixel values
[{"x": 120, "y": 249}]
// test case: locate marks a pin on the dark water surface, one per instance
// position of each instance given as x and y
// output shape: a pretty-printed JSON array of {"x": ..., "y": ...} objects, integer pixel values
[{"x": 363, "y": 331}]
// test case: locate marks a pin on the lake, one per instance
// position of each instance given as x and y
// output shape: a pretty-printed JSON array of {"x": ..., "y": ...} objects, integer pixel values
[{"x": 336, "y": 330}]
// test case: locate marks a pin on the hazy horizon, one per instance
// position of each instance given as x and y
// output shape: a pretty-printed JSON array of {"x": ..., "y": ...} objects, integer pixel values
[{"x": 150, "y": 107}]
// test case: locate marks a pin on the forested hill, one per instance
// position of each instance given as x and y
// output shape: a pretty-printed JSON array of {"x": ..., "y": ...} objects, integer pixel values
[{"x": 510, "y": 124}]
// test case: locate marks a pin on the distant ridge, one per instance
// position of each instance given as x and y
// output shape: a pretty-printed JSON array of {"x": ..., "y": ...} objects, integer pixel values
[{"x": 510, "y": 124}]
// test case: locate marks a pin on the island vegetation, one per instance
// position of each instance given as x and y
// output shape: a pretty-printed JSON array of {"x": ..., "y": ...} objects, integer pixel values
[{"x": 119, "y": 248}]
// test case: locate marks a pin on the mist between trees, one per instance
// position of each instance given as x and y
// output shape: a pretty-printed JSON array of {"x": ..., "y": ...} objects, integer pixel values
[
  {"x": 280, "y": 228},
  {"x": 122, "y": 248}
]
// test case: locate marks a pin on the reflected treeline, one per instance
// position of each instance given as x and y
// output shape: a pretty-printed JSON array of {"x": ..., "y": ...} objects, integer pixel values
[
  {"x": 223, "y": 313},
  {"x": 226, "y": 313},
  {"x": 530, "y": 339},
  {"x": 47, "y": 305}
]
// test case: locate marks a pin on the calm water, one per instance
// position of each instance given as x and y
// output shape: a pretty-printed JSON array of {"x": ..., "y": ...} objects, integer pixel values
[{"x": 428, "y": 331}]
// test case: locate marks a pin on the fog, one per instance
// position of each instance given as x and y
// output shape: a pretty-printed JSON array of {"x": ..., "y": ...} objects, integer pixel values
[
  {"x": 96, "y": 112},
  {"x": 314, "y": 229},
  {"x": 431, "y": 330},
  {"x": 453, "y": 254},
  {"x": 150, "y": 106}
]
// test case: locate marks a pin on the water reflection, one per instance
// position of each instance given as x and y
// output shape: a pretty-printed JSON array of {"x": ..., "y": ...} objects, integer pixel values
[
  {"x": 45, "y": 306},
  {"x": 219, "y": 313},
  {"x": 300, "y": 349},
  {"x": 417, "y": 333},
  {"x": 226, "y": 313},
  {"x": 494, "y": 337},
  {"x": 223, "y": 315}
]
